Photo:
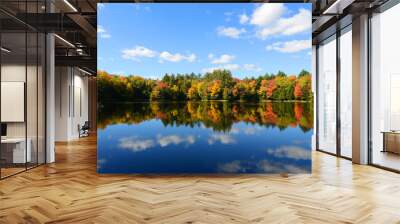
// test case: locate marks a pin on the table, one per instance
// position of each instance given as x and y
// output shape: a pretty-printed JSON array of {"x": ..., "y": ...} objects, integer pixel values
[
  {"x": 391, "y": 141},
  {"x": 19, "y": 154}
]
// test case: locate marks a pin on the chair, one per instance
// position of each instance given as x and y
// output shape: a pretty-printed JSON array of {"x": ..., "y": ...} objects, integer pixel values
[{"x": 84, "y": 130}]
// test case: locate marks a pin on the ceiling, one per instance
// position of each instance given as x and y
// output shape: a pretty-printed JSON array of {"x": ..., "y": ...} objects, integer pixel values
[
  {"x": 75, "y": 22},
  {"x": 331, "y": 15}
]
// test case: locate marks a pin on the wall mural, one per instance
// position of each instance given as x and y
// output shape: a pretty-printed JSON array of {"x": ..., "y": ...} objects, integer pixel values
[{"x": 227, "y": 93}]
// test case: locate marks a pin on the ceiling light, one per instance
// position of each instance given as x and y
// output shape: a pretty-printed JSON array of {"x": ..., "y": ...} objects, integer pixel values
[
  {"x": 84, "y": 71},
  {"x": 64, "y": 40},
  {"x": 337, "y": 7},
  {"x": 70, "y": 5},
  {"x": 5, "y": 50}
]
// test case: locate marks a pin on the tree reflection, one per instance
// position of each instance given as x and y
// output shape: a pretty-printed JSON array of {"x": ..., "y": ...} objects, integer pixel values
[{"x": 218, "y": 115}]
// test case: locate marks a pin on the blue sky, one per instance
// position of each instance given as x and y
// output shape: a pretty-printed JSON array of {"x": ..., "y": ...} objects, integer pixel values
[{"x": 151, "y": 39}]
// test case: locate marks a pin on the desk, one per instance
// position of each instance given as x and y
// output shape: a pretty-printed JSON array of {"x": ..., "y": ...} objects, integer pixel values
[
  {"x": 391, "y": 141},
  {"x": 19, "y": 154}
]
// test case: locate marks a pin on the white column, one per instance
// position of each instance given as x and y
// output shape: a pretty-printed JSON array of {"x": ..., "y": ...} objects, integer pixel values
[
  {"x": 50, "y": 99},
  {"x": 360, "y": 90}
]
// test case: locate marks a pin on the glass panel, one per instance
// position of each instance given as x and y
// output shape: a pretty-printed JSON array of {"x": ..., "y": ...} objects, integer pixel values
[
  {"x": 346, "y": 92},
  {"x": 385, "y": 84},
  {"x": 31, "y": 98},
  {"x": 32, "y": 89},
  {"x": 327, "y": 95},
  {"x": 41, "y": 98},
  {"x": 13, "y": 86},
  {"x": 23, "y": 90}
]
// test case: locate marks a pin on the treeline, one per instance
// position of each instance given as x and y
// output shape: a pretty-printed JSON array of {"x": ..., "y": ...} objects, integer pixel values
[
  {"x": 217, "y": 85},
  {"x": 220, "y": 116}
]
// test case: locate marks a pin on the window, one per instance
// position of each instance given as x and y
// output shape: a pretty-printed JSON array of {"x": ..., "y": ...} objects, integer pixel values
[
  {"x": 385, "y": 89},
  {"x": 346, "y": 92},
  {"x": 327, "y": 95}
]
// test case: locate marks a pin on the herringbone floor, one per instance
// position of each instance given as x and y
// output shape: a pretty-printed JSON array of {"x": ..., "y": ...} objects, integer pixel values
[{"x": 70, "y": 191}]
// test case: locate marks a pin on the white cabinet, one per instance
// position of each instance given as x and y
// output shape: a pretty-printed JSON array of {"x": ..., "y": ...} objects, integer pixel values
[{"x": 19, "y": 154}]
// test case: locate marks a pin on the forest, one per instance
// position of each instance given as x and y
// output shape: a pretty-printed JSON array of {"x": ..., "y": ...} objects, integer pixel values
[{"x": 216, "y": 85}]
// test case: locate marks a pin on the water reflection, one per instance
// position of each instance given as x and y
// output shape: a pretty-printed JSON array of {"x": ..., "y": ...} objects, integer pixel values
[
  {"x": 205, "y": 137},
  {"x": 220, "y": 116}
]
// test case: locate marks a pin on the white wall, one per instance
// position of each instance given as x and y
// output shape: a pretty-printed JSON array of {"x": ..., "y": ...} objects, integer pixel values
[
  {"x": 33, "y": 126},
  {"x": 71, "y": 87},
  {"x": 14, "y": 72},
  {"x": 62, "y": 82}
]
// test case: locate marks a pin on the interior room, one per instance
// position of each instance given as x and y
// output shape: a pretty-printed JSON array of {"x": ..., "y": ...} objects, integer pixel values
[
  {"x": 22, "y": 100},
  {"x": 385, "y": 87},
  {"x": 28, "y": 56}
]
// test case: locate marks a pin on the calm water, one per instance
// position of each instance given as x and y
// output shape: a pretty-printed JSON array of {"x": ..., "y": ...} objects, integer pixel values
[{"x": 205, "y": 137}]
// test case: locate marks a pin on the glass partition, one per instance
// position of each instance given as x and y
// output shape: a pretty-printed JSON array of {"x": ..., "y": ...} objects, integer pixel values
[
  {"x": 385, "y": 89},
  {"x": 327, "y": 95},
  {"x": 22, "y": 88},
  {"x": 13, "y": 94},
  {"x": 346, "y": 92},
  {"x": 41, "y": 96},
  {"x": 31, "y": 98}
]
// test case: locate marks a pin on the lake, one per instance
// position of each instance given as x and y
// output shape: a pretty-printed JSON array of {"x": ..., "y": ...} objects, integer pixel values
[{"x": 204, "y": 137}]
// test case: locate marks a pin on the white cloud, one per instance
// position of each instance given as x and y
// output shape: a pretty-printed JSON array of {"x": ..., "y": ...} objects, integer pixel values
[
  {"x": 100, "y": 5},
  {"x": 230, "y": 67},
  {"x": 243, "y": 18},
  {"x": 165, "y": 55},
  {"x": 143, "y": 52},
  {"x": 103, "y": 33},
  {"x": 234, "y": 130},
  {"x": 267, "y": 14},
  {"x": 231, "y": 32},
  {"x": 273, "y": 167},
  {"x": 100, "y": 29},
  {"x": 135, "y": 144},
  {"x": 252, "y": 67},
  {"x": 223, "y": 59},
  {"x": 137, "y": 52},
  {"x": 231, "y": 167},
  {"x": 223, "y": 138},
  {"x": 251, "y": 130},
  {"x": 298, "y": 23},
  {"x": 290, "y": 46},
  {"x": 268, "y": 167},
  {"x": 291, "y": 152},
  {"x": 175, "y": 140}
]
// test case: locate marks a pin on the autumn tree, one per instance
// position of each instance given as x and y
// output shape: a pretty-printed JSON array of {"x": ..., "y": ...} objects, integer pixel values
[{"x": 215, "y": 85}]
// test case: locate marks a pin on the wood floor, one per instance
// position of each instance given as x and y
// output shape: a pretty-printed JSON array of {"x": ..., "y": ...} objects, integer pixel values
[{"x": 70, "y": 191}]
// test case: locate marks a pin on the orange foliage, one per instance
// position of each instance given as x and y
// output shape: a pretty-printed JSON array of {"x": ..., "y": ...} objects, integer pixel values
[
  {"x": 298, "y": 93},
  {"x": 271, "y": 88},
  {"x": 298, "y": 111}
]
